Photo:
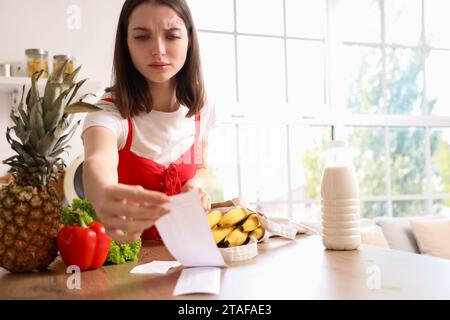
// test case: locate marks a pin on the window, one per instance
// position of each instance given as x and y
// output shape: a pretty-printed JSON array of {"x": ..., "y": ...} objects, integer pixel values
[{"x": 286, "y": 75}]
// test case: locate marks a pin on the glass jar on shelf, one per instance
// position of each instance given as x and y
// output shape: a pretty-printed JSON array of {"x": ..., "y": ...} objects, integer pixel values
[
  {"x": 37, "y": 59},
  {"x": 59, "y": 59}
]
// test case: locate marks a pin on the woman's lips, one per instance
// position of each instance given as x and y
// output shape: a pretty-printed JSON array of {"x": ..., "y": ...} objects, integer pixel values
[{"x": 159, "y": 65}]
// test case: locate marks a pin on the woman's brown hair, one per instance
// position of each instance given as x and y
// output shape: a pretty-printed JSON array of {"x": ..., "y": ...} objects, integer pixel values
[{"x": 130, "y": 89}]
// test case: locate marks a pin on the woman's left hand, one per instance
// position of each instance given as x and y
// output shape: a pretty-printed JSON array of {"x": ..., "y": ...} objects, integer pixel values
[{"x": 194, "y": 185}]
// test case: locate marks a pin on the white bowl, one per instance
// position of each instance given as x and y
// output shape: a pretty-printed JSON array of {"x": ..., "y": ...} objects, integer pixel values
[{"x": 73, "y": 180}]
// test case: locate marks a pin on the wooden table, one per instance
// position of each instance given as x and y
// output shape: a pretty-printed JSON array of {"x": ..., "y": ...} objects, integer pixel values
[{"x": 300, "y": 269}]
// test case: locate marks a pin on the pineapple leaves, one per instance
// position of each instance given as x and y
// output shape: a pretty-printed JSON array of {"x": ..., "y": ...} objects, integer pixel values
[
  {"x": 58, "y": 152},
  {"x": 59, "y": 75},
  {"x": 20, "y": 130},
  {"x": 70, "y": 78},
  {"x": 33, "y": 93},
  {"x": 86, "y": 95},
  {"x": 22, "y": 114},
  {"x": 34, "y": 104},
  {"x": 14, "y": 118},
  {"x": 51, "y": 93},
  {"x": 77, "y": 86},
  {"x": 40, "y": 125},
  {"x": 80, "y": 106},
  {"x": 15, "y": 162},
  {"x": 34, "y": 116},
  {"x": 65, "y": 123},
  {"x": 65, "y": 138},
  {"x": 16, "y": 146},
  {"x": 36, "y": 123},
  {"x": 56, "y": 110},
  {"x": 56, "y": 84},
  {"x": 21, "y": 122},
  {"x": 22, "y": 133},
  {"x": 46, "y": 143}
]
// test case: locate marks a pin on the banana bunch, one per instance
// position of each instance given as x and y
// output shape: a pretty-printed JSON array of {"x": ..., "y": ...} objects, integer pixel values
[{"x": 235, "y": 227}]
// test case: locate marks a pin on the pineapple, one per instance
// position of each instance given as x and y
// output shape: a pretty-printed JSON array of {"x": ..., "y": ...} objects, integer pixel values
[{"x": 29, "y": 205}]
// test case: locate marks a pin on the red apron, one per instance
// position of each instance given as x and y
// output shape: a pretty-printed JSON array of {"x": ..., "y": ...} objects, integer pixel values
[{"x": 136, "y": 170}]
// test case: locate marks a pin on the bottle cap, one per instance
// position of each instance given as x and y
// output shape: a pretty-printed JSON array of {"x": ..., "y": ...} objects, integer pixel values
[
  {"x": 62, "y": 57},
  {"x": 36, "y": 52}
]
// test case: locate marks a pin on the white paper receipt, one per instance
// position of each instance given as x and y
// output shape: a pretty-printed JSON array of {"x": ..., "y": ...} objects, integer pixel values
[
  {"x": 186, "y": 233},
  {"x": 198, "y": 280},
  {"x": 160, "y": 267}
]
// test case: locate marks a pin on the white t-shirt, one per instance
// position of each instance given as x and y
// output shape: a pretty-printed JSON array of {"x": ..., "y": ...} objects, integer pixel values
[{"x": 160, "y": 136}]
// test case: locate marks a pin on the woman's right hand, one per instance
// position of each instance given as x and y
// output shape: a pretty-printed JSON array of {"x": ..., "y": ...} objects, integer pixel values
[{"x": 126, "y": 211}]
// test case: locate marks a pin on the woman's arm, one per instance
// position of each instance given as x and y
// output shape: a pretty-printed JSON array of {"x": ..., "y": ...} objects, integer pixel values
[
  {"x": 120, "y": 207},
  {"x": 100, "y": 162}
]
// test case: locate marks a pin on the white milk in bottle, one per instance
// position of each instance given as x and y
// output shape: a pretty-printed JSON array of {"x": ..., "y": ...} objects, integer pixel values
[{"x": 340, "y": 200}]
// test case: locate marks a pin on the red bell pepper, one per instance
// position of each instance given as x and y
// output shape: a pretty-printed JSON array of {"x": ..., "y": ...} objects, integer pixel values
[{"x": 85, "y": 246}]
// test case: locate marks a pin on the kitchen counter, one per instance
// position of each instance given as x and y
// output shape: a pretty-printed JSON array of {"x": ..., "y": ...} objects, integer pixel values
[{"x": 284, "y": 269}]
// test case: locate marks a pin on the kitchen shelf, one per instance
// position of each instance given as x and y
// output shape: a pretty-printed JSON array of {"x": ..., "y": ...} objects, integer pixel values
[{"x": 13, "y": 86}]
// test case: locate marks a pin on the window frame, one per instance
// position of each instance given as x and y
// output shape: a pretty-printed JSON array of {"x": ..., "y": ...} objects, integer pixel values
[{"x": 331, "y": 113}]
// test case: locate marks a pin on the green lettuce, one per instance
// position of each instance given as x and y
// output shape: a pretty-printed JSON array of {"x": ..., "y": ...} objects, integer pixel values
[
  {"x": 121, "y": 253},
  {"x": 79, "y": 209}
]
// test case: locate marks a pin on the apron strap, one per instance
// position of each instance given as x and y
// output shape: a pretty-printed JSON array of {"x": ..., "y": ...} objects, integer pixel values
[
  {"x": 197, "y": 126},
  {"x": 129, "y": 136},
  {"x": 195, "y": 158}
]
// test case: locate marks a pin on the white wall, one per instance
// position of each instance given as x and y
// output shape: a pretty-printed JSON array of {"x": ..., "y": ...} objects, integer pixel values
[{"x": 47, "y": 24}]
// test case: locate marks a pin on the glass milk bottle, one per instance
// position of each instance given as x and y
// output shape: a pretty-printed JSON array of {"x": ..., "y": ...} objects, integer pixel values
[{"x": 340, "y": 200}]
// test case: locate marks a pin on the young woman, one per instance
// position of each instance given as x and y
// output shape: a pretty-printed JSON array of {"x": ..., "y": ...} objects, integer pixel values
[{"x": 150, "y": 139}]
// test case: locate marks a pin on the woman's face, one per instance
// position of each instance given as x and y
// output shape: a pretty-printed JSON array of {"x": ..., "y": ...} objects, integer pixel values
[{"x": 158, "y": 42}]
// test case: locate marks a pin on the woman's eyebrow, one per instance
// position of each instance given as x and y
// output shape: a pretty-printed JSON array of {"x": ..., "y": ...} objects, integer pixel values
[
  {"x": 146, "y": 29},
  {"x": 140, "y": 29},
  {"x": 172, "y": 29}
]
